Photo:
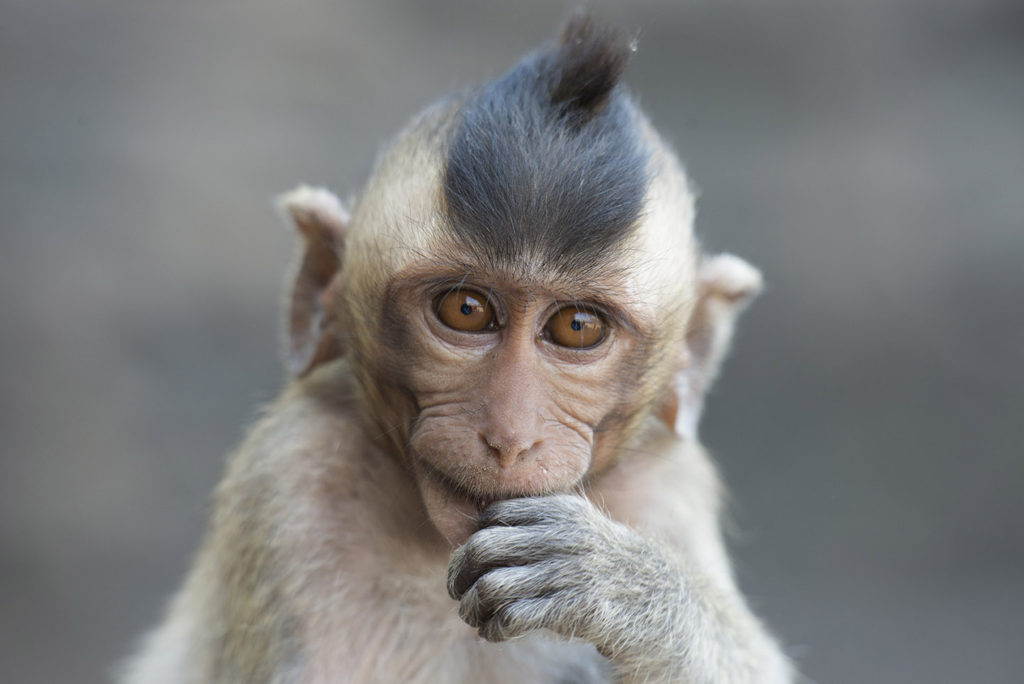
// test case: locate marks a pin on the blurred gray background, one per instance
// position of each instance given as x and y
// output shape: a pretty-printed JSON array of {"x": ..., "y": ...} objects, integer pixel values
[{"x": 868, "y": 155}]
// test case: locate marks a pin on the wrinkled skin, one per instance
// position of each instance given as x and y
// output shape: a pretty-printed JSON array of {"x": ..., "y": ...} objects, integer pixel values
[{"x": 506, "y": 413}]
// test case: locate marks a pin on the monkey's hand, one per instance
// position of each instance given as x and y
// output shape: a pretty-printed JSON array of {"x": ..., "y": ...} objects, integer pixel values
[{"x": 559, "y": 563}]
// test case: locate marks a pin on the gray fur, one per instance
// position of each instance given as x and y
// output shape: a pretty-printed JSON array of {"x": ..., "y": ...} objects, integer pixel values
[{"x": 558, "y": 563}]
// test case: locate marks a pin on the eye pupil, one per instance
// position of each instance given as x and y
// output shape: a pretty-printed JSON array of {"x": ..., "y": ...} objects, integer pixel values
[
  {"x": 576, "y": 325},
  {"x": 466, "y": 309}
]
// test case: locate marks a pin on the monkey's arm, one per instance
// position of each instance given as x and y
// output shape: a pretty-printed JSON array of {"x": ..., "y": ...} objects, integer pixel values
[{"x": 561, "y": 564}]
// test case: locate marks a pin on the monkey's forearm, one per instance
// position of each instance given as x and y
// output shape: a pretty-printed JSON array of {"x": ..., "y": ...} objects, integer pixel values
[
  {"x": 559, "y": 563},
  {"x": 690, "y": 629}
]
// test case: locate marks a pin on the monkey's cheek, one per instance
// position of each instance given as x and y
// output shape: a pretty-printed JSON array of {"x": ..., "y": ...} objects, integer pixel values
[{"x": 454, "y": 516}]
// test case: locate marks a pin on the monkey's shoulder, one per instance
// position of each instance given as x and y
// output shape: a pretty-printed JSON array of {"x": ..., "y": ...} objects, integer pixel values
[{"x": 311, "y": 447}]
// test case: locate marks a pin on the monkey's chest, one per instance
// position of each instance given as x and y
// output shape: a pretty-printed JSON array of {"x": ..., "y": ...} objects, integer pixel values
[
  {"x": 432, "y": 658},
  {"x": 404, "y": 628}
]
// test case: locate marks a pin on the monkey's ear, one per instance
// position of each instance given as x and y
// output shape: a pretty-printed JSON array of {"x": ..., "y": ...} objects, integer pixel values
[
  {"x": 725, "y": 285},
  {"x": 311, "y": 335}
]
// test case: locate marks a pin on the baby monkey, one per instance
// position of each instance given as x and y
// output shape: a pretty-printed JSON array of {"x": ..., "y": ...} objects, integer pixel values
[{"x": 485, "y": 467}]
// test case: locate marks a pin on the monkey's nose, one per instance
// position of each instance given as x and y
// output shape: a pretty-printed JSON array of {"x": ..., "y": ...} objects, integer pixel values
[{"x": 508, "y": 451}]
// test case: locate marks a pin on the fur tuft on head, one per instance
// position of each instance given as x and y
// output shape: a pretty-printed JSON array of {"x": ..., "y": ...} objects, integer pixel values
[
  {"x": 588, "y": 63},
  {"x": 549, "y": 163}
]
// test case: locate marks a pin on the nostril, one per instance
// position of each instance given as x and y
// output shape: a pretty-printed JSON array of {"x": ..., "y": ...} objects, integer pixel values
[
  {"x": 507, "y": 452},
  {"x": 495, "y": 449}
]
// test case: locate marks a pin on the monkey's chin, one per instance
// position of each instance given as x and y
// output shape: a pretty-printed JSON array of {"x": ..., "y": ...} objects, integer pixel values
[{"x": 455, "y": 515}]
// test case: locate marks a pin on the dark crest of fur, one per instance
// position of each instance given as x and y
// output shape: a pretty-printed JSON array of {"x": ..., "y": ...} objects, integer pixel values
[{"x": 548, "y": 160}]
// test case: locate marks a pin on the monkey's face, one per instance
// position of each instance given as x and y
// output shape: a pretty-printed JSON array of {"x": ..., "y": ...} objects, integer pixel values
[
  {"x": 518, "y": 274},
  {"x": 519, "y": 389}
]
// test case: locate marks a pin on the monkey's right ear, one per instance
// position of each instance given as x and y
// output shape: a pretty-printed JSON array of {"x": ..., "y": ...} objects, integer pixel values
[
  {"x": 725, "y": 285},
  {"x": 311, "y": 335}
]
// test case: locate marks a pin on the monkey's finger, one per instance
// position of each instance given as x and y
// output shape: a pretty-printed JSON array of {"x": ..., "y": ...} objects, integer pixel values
[
  {"x": 479, "y": 601},
  {"x": 515, "y": 619},
  {"x": 513, "y": 512},
  {"x": 496, "y": 547},
  {"x": 503, "y": 586},
  {"x": 535, "y": 510},
  {"x": 455, "y": 565}
]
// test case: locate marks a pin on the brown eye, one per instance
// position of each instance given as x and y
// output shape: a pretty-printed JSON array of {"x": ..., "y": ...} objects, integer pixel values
[
  {"x": 570, "y": 327},
  {"x": 465, "y": 310}
]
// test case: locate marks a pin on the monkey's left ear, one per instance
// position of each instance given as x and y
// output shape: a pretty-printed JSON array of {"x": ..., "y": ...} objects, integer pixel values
[
  {"x": 311, "y": 335},
  {"x": 725, "y": 285}
]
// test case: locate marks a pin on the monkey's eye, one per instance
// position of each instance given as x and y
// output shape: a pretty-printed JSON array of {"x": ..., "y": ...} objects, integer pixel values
[
  {"x": 464, "y": 310},
  {"x": 571, "y": 327}
]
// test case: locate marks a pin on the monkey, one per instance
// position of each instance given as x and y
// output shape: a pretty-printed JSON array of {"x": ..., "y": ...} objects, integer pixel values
[{"x": 485, "y": 465}]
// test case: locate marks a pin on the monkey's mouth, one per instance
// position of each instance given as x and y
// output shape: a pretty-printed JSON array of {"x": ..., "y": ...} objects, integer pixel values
[
  {"x": 458, "y": 491},
  {"x": 454, "y": 506}
]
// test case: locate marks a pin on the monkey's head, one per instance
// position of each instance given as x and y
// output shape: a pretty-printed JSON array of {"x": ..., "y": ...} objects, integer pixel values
[{"x": 517, "y": 285}]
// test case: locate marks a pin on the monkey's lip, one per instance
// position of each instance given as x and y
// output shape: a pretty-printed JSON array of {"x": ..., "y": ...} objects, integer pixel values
[{"x": 454, "y": 490}]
